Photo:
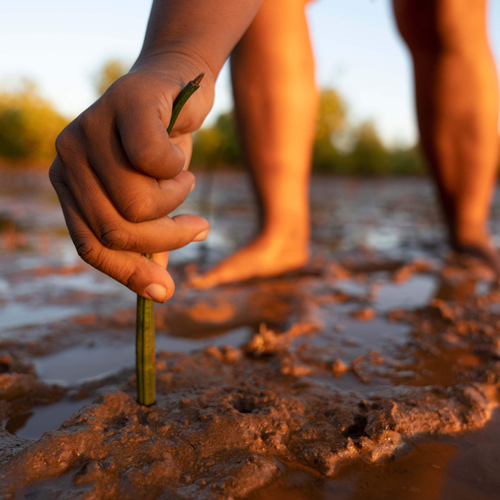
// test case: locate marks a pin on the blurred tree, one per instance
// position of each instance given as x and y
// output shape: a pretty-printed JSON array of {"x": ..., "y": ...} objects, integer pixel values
[
  {"x": 29, "y": 126},
  {"x": 406, "y": 161},
  {"x": 109, "y": 73},
  {"x": 369, "y": 155},
  {"x": 331, "y": 121},
  {"x": 217, "y": 145},
  {"x": 331, "y": 114}
]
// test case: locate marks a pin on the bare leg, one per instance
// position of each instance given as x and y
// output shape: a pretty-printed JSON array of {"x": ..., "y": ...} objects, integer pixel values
[
  {"x": 276, "y": 104},
  {"x": 457, "y": 105}
]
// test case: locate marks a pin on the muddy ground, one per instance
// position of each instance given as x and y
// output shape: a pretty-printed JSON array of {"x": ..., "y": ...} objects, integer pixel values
[{"x": 372, "y": 373}]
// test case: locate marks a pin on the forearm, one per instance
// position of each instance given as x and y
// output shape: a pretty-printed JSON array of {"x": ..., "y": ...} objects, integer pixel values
[{"x": 203, "y": 30}]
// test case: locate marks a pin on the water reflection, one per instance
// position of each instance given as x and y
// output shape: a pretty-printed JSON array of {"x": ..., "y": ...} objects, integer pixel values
[{"x": 40, "y": 419}]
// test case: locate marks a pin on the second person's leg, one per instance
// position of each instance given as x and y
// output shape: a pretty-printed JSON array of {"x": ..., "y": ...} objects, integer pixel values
[
  {"x": 276, "y": 104},
  {"x": 457, "y": 105}
]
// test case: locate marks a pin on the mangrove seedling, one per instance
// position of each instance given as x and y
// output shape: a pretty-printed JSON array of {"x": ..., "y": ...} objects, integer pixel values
[{"x": 145, "y": 321}]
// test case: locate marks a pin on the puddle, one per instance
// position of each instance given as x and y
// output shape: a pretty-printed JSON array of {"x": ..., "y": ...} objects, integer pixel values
[
  {"x": 463, "y": 468},
  {"x": 442, "y": 367},
  {"x": 351, "y": 287},
  {"x": 416, "y": 292},
  {"x": 363, "y": 336},
  {"x": 473, "y": 472},
  {"x": 40, "y": 419},
  {"x": 59, "y": 284},
  {"x": 18, "y": 314},
  {"x": 79, "y": 364}
]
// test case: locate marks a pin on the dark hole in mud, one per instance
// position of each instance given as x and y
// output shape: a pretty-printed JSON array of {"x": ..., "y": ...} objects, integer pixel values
[
  {"x": 357, "y": 429},
  {"x": 118, "y": 422},
  {"x": 244, "y": 405}
]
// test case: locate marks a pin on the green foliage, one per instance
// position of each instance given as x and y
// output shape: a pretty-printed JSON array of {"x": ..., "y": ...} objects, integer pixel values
[
  {"x": 217, "y": 145},
  {"x": 29, "y": 126},
  {"x": 331, "y": 121},
  {"x": 406, "y": 161},
  {"x": 109, "y": 73},
  {"x": 369, "y": 156},
  {"x": 332, "y": 114}
]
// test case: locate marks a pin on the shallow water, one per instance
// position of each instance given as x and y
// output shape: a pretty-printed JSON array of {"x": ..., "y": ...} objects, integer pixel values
[
  {"x": 461, "y": 469},
  {"x": 72, "y": 327},
  {"x": 414, "y": 293},
  {"x": 35, "y": 422},
  {"x": 80, "y": 364}
]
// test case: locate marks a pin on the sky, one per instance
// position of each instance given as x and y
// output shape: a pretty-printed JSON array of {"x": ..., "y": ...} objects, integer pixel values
[{"x": 61, "y": 44}]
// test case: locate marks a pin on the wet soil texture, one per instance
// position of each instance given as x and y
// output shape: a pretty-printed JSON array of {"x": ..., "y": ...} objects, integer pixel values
[{"x": 372, "y": 373}]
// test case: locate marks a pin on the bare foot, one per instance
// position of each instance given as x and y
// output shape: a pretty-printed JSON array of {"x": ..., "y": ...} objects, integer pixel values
[
  {"x": 486, "y": 253},
  {"x": 481, "y": 248},
  {"x": 262, "y": 258}
]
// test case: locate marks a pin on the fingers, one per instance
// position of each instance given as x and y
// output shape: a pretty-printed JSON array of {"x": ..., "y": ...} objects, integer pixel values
[
  {"x": 137, "y": 197},
  {"x": 118, "y": 175},
  {"x": 161, "y": 259},
  {"x": 146, "y": 142},
  {"x": 154, "y": 236},
  {"x": 115, "y": 232},
  {"x": 141, "y": 275}
]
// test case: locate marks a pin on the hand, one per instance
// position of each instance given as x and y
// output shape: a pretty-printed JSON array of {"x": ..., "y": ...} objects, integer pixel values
[{"x": 118, "y": 174}]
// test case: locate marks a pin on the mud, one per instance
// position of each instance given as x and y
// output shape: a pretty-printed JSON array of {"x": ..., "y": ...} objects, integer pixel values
[{"x": 373, "y": 372}]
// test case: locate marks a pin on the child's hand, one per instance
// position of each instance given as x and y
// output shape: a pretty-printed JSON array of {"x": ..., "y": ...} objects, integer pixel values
[{"x": 118, "y": 174}]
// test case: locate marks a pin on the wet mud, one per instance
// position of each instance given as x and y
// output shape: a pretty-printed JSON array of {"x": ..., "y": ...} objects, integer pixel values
[{"x": 372, "y": 373}]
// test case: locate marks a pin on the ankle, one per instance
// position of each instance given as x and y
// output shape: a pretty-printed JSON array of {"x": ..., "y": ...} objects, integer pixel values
[
  {"x": 296, "y": 235},
  {"x": 469, "y": 236}
]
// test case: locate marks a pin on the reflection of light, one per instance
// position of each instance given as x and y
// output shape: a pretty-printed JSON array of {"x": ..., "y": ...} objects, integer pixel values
[
  {"x": 414, "y": 293},
  {"x": 16, "y": 315},
  {"x": 381, "y": 239}
]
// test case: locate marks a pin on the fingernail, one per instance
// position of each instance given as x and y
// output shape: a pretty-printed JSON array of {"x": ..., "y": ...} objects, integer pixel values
[
  {"x": 156, "y": 292},
  {"x": 193, "y": 186},
  {"x": 202, "y": 235}
]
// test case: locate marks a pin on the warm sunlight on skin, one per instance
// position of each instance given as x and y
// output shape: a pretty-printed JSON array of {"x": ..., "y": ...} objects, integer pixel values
[
  {"x": 121, "y": 211},
  {"x": 275, "y": 98}
]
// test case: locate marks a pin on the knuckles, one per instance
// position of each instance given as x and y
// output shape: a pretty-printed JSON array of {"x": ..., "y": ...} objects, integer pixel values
[
  {"x": 76, "y": 136},
  {"x": 66, "y": 144},
  {"x": 113, "y": 237},
  {"x": 155, "y": 158},
  {"x": 144, "y": 158},
  {"x": 55, "y": 176},
  {"x": 88, "y": 123},
  {"x": 88, "y": 252},
  {"x": 140, "y": 210}
]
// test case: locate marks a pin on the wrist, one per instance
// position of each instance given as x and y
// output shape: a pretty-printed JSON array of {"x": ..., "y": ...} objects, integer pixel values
[{"x": 174, "y": 64}]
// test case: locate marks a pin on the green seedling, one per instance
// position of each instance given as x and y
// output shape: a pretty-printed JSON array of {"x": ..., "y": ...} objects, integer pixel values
[{"x": 145, "y": 322}]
